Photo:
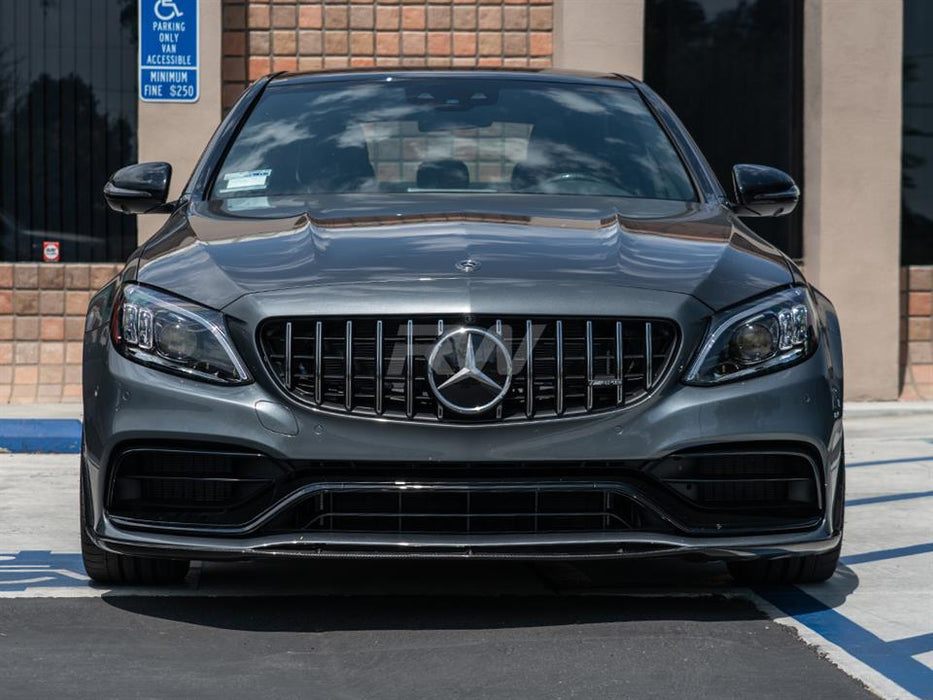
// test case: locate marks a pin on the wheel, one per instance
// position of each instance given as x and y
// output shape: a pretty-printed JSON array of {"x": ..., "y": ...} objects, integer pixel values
[
  {"x": 812, "y": 568},
  {"x": 105, "y": 567}
]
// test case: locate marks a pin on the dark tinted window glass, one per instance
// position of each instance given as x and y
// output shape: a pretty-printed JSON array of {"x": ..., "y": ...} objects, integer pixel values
[
  {"x": 67, "y": 120},
  {"x": 917, "y": 174},
  {"x": 459, "y": 134},
  {"x": 732, "y": 70}
]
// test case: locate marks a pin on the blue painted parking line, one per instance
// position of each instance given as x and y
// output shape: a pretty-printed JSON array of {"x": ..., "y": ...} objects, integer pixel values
[
  {"x": 41, "y": 569},
  {"x": 912, "y": 646},
  {"x": 52, "y": 435},
  {"x": 889, "y": 498},
  {"x": 878, "y": 462},
  {"x": 891, "y": 659},
  {"x": 887, "y": 554}
]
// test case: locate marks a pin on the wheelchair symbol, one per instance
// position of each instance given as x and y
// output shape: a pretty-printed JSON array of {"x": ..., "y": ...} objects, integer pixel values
[{"x": 166, "y": 10}]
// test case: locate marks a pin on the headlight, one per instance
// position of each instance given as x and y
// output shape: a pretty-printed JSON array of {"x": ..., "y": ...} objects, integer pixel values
[
  {"x": 758, "y": 337},
  {"x": 175, "y": 335}
]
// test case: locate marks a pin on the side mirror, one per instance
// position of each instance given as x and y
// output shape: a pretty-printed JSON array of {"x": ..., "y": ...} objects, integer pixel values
[
  {"x": 139, "y": 189},
  {"x": 763, "y": 191}
]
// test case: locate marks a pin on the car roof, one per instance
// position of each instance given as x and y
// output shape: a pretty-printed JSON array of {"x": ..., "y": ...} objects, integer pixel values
[{"x": 541, "y": 74}]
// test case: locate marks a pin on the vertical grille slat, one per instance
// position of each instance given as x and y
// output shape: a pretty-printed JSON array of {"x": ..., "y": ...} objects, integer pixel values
[
  {"x": 288, "y": 355},
  {"x": 620, "y": 372},
  {"x": 318, "y": 362},
  {"x": 348, "y": 371},
  {"x": 589, "y": 365},
  {"x": 561, "y": 367},
  {"x": 410, "y": 369},
  {"x": 380, "y": 388},
  {"x": 649, "y": 359},
  {"x": 529, "y": 370}
]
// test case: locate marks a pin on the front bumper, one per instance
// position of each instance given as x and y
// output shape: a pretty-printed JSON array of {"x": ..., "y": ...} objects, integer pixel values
[{"x": 127, "y": 404}]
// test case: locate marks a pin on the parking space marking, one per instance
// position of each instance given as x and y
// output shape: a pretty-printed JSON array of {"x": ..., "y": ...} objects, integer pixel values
[
  {"x": 915, "y": 646},
  {"x": 878, "y": 462},
  {"x": 887, "y": 554},
  {"x": 888, "y": 498},
  {"x": 22, "y": 571},
  {"x": 892, "y": 660}
]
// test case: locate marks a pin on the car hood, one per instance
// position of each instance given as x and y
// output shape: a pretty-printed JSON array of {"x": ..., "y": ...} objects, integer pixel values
[{"x": 216, "y": 252}]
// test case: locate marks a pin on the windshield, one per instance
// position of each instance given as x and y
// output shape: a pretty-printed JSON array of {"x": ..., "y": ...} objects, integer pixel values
[{"x": 463, "y": 135}]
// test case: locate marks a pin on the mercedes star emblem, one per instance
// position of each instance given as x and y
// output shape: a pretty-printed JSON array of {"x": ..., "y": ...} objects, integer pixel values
[
  {"x": 469, "y": 370},
  {"x": 468, "y": 265}
]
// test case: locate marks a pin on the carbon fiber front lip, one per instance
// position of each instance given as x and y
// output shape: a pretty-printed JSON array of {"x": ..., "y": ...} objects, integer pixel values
[{"x": 528, "y": 547}]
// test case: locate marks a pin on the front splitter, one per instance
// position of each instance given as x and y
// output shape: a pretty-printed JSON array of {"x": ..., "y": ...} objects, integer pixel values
[{"x": 585, "y": 545}]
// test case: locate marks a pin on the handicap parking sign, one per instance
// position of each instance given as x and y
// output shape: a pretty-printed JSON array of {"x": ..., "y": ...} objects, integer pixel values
[{"x": 168, "y": 51}]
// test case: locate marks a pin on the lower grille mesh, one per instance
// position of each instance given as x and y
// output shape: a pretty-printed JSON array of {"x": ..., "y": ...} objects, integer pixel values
[{"x": 441, "y": 510}]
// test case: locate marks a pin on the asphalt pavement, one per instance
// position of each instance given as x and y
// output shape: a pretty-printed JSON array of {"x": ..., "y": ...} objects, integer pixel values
[{"x": 397, "y": 629}]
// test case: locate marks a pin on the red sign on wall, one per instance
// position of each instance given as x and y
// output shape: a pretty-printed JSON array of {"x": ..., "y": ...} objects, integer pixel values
[{"x": 51, "y": 251}]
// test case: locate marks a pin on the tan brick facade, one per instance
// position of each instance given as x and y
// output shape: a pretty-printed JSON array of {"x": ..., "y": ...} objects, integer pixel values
[
  {"x": 917, "y": 347},
  {"x": 262, "y": 36},
  {"x": 42, "y": 309}
]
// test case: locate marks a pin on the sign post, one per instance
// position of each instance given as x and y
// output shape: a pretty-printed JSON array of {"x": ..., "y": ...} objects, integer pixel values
[{"x": 168, "y": 51}]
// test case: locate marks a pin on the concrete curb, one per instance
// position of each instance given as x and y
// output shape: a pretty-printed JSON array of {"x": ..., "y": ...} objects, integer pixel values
[
  {"x": 874, "y": 409},
  {"x": 41, "y": 411}
]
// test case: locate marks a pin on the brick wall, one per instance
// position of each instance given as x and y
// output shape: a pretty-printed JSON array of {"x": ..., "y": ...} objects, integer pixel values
[
  {"x": 41, "y": 328},
  {"x": 261, "y": 36},
  {"x": 917, "y": 350}
]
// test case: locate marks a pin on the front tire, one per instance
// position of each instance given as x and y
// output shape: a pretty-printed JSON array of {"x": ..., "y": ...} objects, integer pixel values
[{"x": 121, "y": 569}]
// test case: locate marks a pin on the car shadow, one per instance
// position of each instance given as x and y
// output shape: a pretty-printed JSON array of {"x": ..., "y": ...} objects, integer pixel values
[{"x": 319, "y": 596}]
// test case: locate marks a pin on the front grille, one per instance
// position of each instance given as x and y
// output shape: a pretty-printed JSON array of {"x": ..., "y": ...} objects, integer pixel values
[
  {"x": 378, "y": 367},
  {"x": 443, "y": 508}
]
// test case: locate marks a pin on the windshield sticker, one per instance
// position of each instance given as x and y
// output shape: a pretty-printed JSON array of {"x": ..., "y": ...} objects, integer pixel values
[
  {"x": 247, "y": 203},
  {"x": 246, "y": 180}
]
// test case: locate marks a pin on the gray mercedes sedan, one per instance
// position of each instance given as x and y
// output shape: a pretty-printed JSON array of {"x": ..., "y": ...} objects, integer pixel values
[{"x": 461, "y": 314}]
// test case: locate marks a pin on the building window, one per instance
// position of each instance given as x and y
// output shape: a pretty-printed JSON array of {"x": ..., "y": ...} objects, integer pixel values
[
  {"x": 733, "y": 72},
  {"x": 67, "y": 120},
  {"x": 917, "y": 163}
]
